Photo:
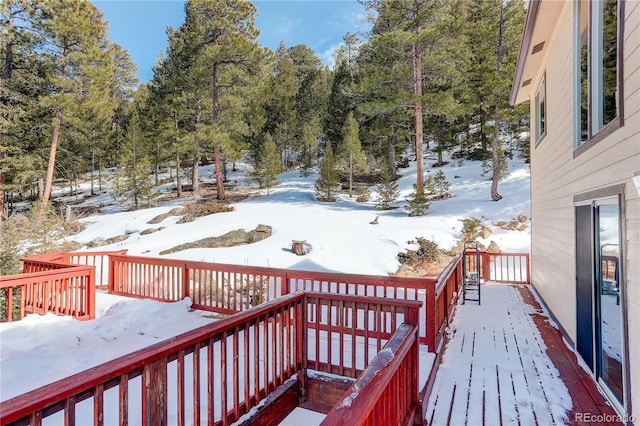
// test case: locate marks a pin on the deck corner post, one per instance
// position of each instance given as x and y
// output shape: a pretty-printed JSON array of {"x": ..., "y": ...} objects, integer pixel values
[
  {"x": 91, "y": 293},
  {"x": 111, "y": 285},
  {"x": 486, "y": 266},
  {"x": 186, "y": 282}
]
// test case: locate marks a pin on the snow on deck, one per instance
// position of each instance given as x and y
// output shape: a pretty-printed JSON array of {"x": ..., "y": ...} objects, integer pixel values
[{"x": 495, "y": 368}]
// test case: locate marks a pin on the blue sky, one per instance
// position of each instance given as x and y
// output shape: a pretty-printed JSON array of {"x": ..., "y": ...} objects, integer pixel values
[{"x": 140, "y": 25}]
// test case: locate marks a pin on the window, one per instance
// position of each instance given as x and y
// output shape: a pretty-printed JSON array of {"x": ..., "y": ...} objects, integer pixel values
[
  {"x": 598, "y": 81},
  {"x": 541, "y": 110}
]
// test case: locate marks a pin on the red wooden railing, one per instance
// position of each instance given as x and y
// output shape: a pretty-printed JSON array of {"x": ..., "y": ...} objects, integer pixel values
[
  {"x": 213, "y": 374},
  {"x": 339, "y": 333},
  {"x": 345, "y": 332},
  {"x": 511, "y": 268},
  {"x": 99, "y": 259},
  {"x": 229, "y": 289},
  {"x": 65, "y": 291},
  {"x": 386, "y": 393},
  {"x": 54, "y": 282},
  {"x": 507, "y": 267}
]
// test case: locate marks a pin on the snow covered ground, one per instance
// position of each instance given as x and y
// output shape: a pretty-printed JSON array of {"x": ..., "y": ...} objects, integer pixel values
[
  {"x": 41, "y": 349},
  {"x": 340, "y": 234}
]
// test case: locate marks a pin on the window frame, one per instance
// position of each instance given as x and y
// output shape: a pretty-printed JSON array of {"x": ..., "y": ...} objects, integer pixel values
[
  {"x": 540, "y": 110},
  {"x": 594, "y": 81}
]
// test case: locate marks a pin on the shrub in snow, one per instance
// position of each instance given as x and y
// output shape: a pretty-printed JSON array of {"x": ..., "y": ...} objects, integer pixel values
[
  {"x": 418, "y": 203},
  {"x": 388, "y": 192}
]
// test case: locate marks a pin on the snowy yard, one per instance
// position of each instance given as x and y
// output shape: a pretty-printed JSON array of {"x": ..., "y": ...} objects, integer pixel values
[{"x": 341, "y": 237}]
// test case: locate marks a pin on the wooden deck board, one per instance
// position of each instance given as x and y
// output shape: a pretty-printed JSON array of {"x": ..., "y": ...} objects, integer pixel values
[{"x": 499, "y": 372}]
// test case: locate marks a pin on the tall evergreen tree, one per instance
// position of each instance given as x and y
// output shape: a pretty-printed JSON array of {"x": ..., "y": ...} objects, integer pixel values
[
  {"x": 224, "y": 41},
  {"x": 74, "y": 37},
  {"x": 20, "y": 21},
  {"x": 339, "y": 103},
  {"x": 421, "y": 31},
  {"x": 268, "y": 167},
  {"x": 281, "y": 113},
  {"x": 493, "y": 32},
  {"x": 350, "y": 152},
  {"x": 329, "y": 180},
  {"x": 135, "y": 182}
]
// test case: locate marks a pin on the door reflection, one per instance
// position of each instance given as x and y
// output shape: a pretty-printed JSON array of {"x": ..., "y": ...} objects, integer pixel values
[{"x": 610, "y": 345}]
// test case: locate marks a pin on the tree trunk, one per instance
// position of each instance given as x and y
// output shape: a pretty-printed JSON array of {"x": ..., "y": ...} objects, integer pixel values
[
  {"x": 100, "y": 170},
  {"x": 178, "y": 181},
  {"x": 391, "y": 153},
  {"x": 93, "y": 165},
  {"x": 219, "y": 177},
  {"x": 215, "y": 119},
  {"x": 157, "y": 179},
  {"x": 417, "y": 114},
  {"x": 497, "y": 173},
  {"x": 52, "y": 155},
  {"x": 195, "y": 175}
]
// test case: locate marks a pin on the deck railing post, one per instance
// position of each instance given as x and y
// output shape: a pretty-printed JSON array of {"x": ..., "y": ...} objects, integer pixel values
[
  {"x": 302, "y": 334},
  {"x": 286, "y": 285},
  {"x": 112, "y": 275},
  {"x": 91, "y": 289},
  {"x": 186, "y": 282},
  {"x": 431, "y": 327},
  {"x": 154, "y": 399},
  {"x": 486, "y": 266}
]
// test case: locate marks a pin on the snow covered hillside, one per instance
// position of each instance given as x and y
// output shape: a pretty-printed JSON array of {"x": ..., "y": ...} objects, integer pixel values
[{"x": 340, "y": 235}]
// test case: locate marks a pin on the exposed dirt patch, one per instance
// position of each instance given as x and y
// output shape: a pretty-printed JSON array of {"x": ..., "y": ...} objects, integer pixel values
[{"x": 424, "y": 269}]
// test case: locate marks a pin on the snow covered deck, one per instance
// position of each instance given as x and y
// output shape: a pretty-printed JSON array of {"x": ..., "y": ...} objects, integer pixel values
[{"x": 505, "y": 363}]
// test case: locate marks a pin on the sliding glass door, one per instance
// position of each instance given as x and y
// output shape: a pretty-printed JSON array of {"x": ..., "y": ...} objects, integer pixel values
[{"x": 599, "y": 294}]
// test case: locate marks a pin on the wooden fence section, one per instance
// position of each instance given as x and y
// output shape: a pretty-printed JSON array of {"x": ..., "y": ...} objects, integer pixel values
[
  {"x": 66, "y": 291},
  {"x": 213, "y": 375},
  {"x": 99, "y": 259},
  {"x": 446, "y": 295},
  {"x": 511, "y": 268},
  {"x": 416, "y": 289},
  {"x": 229, "y": 289},
  {"x": 55, "y": 282},
  {"x": 386, "y": 393},
  {"x": 214, "y": 287},
  {"x": 508, "y": 267},
  {"x": 345, "y": 332}
]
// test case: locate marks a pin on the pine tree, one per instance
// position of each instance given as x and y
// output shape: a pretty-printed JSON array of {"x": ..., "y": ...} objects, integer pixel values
[
  {"x": 388, "y": 192},
  {"x": 268, "y": 167},
  {"x": 135, "y": 182},
  {"x": 421, "y": 37},
  {"x": 418, "y": 202},
  {"x": 350, "y": 150},
  {"x": 308, "y": 152},
  {"x": 75, "y": 35},
  {"x": 281, "y": 113},
  {"x": 329, "y": 180},
  {"x": 217, "y": 48},
  {"x": 493, "y": 32},
  {"x": 339, "y": 103},
  {"x": 441, "y": 185}
]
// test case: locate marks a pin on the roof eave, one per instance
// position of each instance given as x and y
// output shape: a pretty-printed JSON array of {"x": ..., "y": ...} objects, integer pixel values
[{"x": 525, "y": 45}]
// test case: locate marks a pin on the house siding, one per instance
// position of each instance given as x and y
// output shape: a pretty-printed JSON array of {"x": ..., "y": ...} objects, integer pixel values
[{"x": 556, "y": 177}]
